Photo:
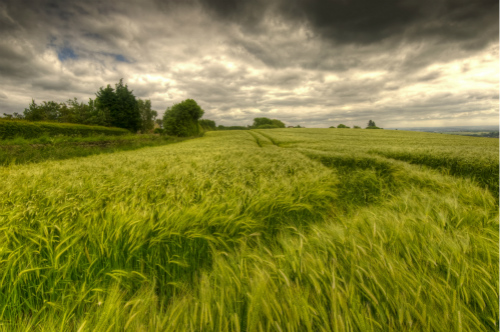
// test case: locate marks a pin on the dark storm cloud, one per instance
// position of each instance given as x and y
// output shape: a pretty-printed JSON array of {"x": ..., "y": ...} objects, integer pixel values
[{"x": 368, "y": 21}]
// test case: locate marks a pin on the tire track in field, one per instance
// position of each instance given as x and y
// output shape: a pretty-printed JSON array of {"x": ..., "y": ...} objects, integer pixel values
[
  {"x": 268, "y": 138},
  {"x": 261, "y": 139}
]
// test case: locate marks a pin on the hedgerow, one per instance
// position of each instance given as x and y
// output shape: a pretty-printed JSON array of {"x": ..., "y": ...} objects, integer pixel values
[{"x": 11, "y": 129}]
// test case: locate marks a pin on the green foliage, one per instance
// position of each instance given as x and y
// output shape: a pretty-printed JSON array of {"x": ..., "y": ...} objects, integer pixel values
[
  {"x": 332, "y": 127},
  {"x": 266, "y": 126},
  {"x": 70, "y": 112},
  {"x": 277, "y": 123},
  {"x": 25, "y": 129},
  {"x": 342, "y": 126},
  {"x": 221, "y": 127},
  {"x": 272, "y": 230},
  {"x": 89, "y": 114},
  {"x": 47, "y": 111},
  {"x": 159, "y": 122},
  {"x": 148, "y": 116},
  {"x": 159, "y": 131},
  {"x": 13, "y": 116},
  {"x": 19, "y": 150},
  {"x": 207, "y": 125},
  {"x": 122, "y": 106},
  {"x": 182, "y": 119},
  {"x": 372, "y": 125},
  {"x": 269, "y": 123},
  {"x": 356, "y": 127}
]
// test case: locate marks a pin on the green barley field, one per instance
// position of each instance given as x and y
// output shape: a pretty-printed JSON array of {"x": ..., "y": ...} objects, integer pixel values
[{"x": 261, "y": 230}]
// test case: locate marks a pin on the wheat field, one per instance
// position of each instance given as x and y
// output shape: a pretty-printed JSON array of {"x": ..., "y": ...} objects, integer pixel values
[{"x": 261, "y": 230}]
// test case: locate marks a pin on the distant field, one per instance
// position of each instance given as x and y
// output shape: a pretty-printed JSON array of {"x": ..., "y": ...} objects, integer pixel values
[{"x": 260, "y": 230}]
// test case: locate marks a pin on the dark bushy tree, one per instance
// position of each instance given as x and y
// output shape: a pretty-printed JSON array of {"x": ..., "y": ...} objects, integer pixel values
[
  {"x": 47, "y": 111},
  {"x": 267, "y": 123},
  {"x": 342, "y": 126},
  {"x": 372, "y": 125},
  {"x": 106, "y": 101},
  {"x": 121, "y": 105},
  {"x": 182, "y": 119}
]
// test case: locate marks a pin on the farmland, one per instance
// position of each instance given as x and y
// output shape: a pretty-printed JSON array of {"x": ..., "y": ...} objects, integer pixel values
[{"x": 261, "y": 230}]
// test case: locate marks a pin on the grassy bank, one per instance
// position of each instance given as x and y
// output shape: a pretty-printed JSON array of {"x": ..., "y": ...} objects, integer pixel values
[
  {"x": 21, "y": 151},
  {"x": 265, "y": 230}
]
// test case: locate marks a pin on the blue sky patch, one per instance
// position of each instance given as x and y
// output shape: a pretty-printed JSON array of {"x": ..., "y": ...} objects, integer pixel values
[
  {"x": 121, "y": 58},
  {"x": 66, "y": 53}
]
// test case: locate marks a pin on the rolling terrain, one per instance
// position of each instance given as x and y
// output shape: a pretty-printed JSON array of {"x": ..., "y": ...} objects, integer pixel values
[{"x": 261, "y": 230}]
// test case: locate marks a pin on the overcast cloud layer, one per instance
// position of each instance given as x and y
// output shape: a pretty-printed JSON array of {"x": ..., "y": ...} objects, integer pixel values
[{"x": 315, "y": 63}]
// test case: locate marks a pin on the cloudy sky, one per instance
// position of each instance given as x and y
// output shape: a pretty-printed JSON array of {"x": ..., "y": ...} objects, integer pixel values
[{"x": 311, "y": 62}]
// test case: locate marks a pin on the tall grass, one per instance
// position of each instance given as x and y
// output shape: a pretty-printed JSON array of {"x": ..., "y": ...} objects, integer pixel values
[{"x": 247, "y": 231}]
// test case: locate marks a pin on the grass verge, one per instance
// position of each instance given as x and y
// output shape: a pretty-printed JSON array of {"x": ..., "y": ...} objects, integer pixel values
[{"x": 21, "y": 151}]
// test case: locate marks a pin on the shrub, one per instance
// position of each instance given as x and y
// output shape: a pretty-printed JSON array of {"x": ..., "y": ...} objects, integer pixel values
[
  {"x": 207, "y": 125},
  {"x": 11, "y": 129},
  {"x": 221, "y": 127},
  {"x": 182, "y": 119},
  {"x": 159, "y": 131},
  {"x": 342, "y": 126},
  {"x": 373, "y": 127},
  {"x": 259, "y": 122}
]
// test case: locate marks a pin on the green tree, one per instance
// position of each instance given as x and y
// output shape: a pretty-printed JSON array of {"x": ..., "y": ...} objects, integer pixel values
[
  {"x": 127, "y": 115},
  {"x": 257, "y": 122},
  {"x": 47, "y": 111},
  {"x": 13, "y": 116},
  {"x": 121, "y": 105},
  {"x": 277, "y": 123},
  {"x": 268, "y": 123},
  {"x": 342, "y": 126},
  {"x": 148, "y": 116},
  {"x": 159, "y": 122},
  {"x": 372, "y": 125},
  {"x": 182, "y": 119},
  {"x": 207, "y": 125}
]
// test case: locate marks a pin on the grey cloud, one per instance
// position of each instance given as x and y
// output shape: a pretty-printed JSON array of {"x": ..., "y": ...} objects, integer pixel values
[
  {"x": 366, "y": 21},
  {"x": 430, "y": 76},
  {"x": 299, "y": 60}
]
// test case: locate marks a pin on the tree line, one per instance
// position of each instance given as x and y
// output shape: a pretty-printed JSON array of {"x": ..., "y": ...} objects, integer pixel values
[
  {"x": 118, "y": 107},
  {"x": 112, "y": 107},
  {"x": 371, "y": 125}
]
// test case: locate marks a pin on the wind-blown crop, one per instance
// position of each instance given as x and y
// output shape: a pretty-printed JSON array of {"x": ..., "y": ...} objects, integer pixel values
[{"x": 265, "y": 230}]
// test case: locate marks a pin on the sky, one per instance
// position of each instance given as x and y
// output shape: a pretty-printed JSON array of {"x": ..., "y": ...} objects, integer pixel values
[{"x": 314, "y": 63}]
